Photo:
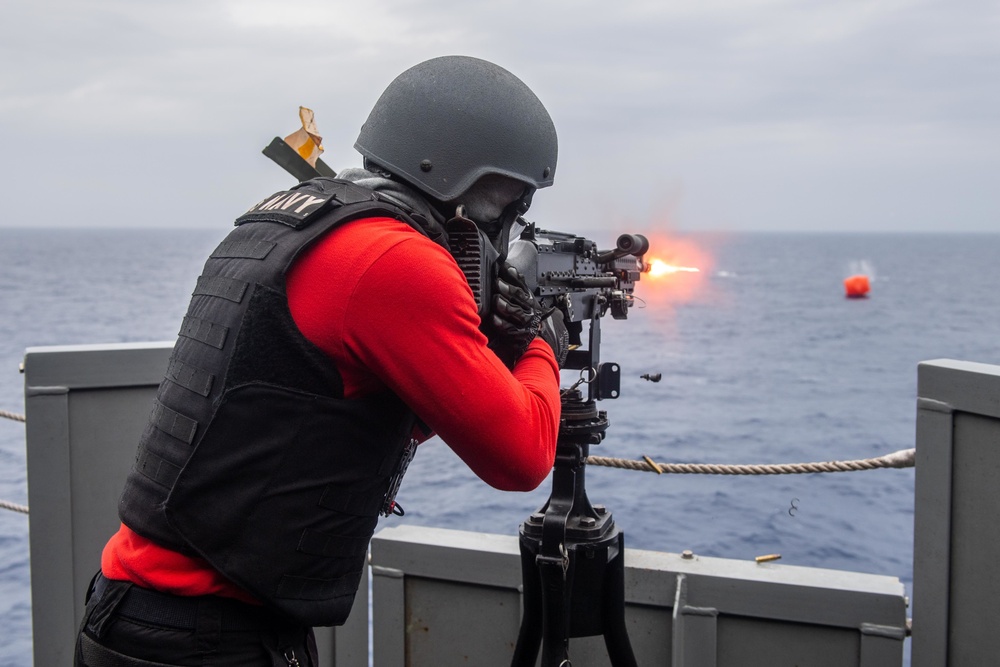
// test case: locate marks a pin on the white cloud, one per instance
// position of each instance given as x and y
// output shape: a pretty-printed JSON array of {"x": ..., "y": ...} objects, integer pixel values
[{"x": 705, "y": 100}]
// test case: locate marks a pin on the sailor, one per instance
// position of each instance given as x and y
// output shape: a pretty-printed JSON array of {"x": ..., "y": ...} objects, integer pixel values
[{"x": 330, "y": 333}]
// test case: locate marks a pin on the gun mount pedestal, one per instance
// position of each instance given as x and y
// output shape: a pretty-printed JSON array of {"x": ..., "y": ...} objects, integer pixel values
[{"x": 572, "y": 555}]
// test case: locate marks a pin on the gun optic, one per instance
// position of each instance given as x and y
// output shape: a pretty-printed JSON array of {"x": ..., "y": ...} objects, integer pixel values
[{"x": 628, "y": 244}]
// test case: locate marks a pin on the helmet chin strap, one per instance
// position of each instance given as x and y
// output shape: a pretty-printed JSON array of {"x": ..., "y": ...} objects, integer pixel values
[
  {"x": 510, "y": 215},
  {"x": 481, "y": 248}
]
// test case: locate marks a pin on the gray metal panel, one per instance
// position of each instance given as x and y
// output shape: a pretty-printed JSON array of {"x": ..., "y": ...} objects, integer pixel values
[
  {"x": 437, "y": 608},
  {"x": 799, "y": 614},
  {"x": 481, "y": 558},
  {"x": 86, "y": 407},
  {"x": 957, "y": 507},
  {"x": 81, "y": 432},
  {"x": 964, "y": 385},
  {"x": 753, "y": 642},
  {"x": 879, "y": 645},
  {"x": 824, "y": 597},
  {"x": 715, "y": 578},
  {"x": 975, "y": 511},
  {"x": 54, "y": 605},
  {"x": 389, "y": 627},
  {"x": 104, "y": 429},
  {"x": 348, "y": 644},
  {"x": 694, "y": 632},
  {"x": 96, "y": 366},
  {"x": 931, "y": 531}
]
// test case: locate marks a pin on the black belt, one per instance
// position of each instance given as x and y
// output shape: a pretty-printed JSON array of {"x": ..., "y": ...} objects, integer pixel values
[{"x": 181, "y": 613}]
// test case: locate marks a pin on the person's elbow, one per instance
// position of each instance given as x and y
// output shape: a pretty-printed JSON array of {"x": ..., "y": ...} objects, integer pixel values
[{"x": 521, "y": 478}]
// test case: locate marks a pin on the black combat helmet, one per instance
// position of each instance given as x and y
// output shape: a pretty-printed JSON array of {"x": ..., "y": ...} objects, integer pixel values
[{"x": 443, "y": 124}]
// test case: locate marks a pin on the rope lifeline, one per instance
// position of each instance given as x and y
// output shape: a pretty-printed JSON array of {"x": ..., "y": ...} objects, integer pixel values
[
  {"x": 12, "y": 415},
  {"x": 904, "y": 458},
  {"x": 13, "y": 507}
]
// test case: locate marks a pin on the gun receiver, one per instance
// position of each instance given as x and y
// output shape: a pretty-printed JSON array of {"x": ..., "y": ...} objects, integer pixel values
[{"x": 568, "y": 272}]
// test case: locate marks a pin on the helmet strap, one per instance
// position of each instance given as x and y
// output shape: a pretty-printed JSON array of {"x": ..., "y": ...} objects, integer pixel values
[
  {"x": 510, "y": 215},
  {"x": 376, "y": 169}
]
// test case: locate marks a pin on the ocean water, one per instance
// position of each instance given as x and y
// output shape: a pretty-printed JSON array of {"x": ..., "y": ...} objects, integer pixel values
[{"x": 762, "y": 358}]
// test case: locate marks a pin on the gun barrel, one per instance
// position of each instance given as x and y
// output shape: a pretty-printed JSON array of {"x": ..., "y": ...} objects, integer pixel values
[{"x": 593, "y": 281}]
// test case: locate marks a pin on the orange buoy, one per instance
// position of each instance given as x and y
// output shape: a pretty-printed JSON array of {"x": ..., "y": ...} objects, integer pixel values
[{"x": 856, "y": 286}]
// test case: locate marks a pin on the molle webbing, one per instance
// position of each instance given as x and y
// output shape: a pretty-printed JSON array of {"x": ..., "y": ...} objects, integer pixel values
[
  {"x": 252, "y": 258},
  {"x": 204, "y": 331},
  {"x": 174, "y": 423},
  {"x": 252, "y": 458},
  {"x": 162, "y": 472},
  {"x": 226, "y": 288},
  {"x": 189, "y": 377},
  {"x": 303, "y": 588},
  {"x": 243, "y": 249}
]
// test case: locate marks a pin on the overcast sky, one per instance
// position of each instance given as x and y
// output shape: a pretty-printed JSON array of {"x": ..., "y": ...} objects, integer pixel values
[{"x": 813, "y": 115}]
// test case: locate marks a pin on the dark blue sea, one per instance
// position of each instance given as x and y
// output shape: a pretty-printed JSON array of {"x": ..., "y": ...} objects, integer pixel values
[{"x": 763, "y": 360}]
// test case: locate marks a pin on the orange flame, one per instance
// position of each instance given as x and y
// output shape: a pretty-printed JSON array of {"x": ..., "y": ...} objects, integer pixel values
[
  {"x": 676, "y": 270},
  {"x": 657, "y": 267}
]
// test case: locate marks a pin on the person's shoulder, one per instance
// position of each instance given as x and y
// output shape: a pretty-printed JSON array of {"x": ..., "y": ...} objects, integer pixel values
[
  {"x": 380, "y": 235},
  {"x": 380, "y": 229},
  {"x": 388, "y": 255}
]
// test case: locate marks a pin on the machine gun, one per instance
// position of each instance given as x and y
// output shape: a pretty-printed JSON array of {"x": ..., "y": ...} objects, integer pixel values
[
  {"x": 572, "y": 553},
  {"x": 568, "y": 272}
]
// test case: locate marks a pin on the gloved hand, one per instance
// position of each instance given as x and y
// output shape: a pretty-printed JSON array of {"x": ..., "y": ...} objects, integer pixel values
[
  {"x": 553, "y": 331},
  {"x": 516, "y": 318}
]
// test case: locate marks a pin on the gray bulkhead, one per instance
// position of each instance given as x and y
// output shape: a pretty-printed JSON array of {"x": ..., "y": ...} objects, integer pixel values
[{"x": 444, "y": 597}]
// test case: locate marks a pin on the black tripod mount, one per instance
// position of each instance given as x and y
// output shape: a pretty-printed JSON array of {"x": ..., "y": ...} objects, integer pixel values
[{"x": 572, "y": 554}]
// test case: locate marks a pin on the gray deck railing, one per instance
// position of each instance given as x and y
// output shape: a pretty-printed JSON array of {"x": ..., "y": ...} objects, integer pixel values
[
  {"x": 448, "y": 597},
  {"x": 444, "y": 597}
]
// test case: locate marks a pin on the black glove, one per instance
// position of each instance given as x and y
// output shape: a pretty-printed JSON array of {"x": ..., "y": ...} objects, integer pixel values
[
  {"x": 553, "y": 331},
  {"x": 516, "y": 318}
]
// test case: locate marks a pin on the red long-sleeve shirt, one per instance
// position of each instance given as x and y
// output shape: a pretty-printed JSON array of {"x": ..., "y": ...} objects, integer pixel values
[{"x": 392, "y": 309}]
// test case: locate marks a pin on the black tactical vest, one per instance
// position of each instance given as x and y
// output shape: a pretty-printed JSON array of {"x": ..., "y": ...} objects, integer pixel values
[{"x": 252, "y": 458}]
